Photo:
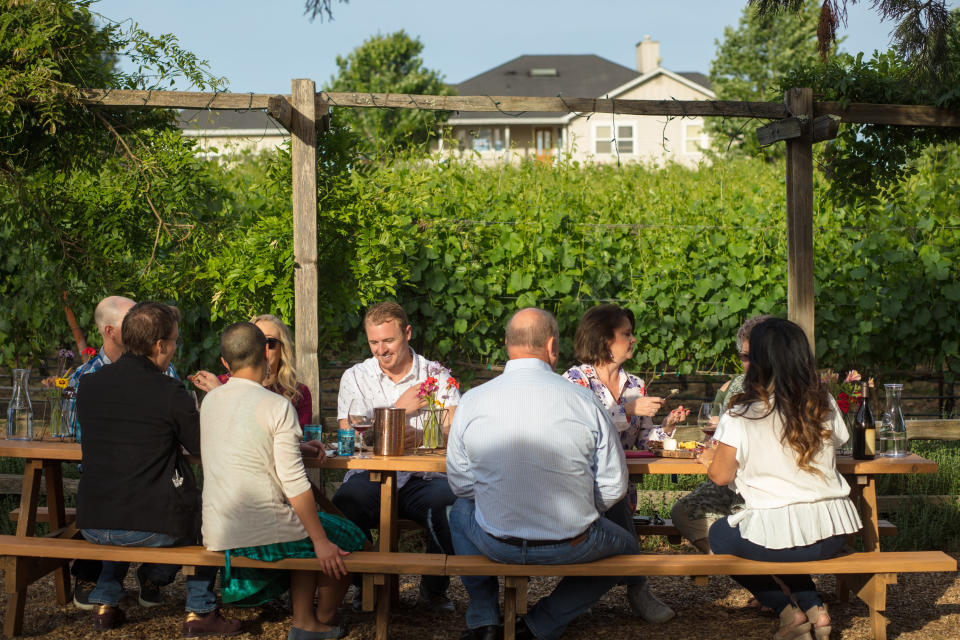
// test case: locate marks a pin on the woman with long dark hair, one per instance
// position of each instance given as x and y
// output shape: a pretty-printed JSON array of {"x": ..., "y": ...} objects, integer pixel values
[{"x": 776, "y": 447}]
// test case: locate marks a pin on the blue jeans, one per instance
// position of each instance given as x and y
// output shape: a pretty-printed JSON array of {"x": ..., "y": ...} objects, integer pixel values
[
  {"x": 727, "y": 539},
  {"x": 573, "y": 595},
  {"x": 424, "y": 501},
  {"x": 621, "y": 514},
  {"x": 200, "y": 595}
]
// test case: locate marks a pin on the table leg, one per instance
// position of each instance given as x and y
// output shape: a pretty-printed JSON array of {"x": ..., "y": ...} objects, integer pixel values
[
  {"x": 58, "y": 519},
  {"x": 868, "y": 513},
  {"x": 17, "y": 568},
  {"x": 387, "y": 543}
]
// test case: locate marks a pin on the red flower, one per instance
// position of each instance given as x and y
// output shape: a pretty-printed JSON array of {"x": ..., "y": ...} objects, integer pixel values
[
  {"x": 581, "y": 382},
  {"x": 89, "y": 351},
  {"x": 843, "y": 401},
  {"x": 452, "y": 382}
]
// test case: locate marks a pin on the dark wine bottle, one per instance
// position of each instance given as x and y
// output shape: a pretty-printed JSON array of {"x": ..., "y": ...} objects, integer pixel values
[{"x": 864, "y": 429}]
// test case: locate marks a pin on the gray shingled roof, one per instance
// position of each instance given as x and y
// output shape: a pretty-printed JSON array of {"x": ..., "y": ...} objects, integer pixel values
[
  {"x": 577, "y": 76},
  {"x": 211, "y": 119}
]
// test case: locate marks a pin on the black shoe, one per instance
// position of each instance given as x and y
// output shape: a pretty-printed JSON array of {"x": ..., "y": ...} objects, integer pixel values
[
  {"x": 489, "y": 632},
  {"x": 106, "y": 617},
  {"x": 149, "y": 592},
  {"x": 81, "y": 594},
  {"x": 523, "y": 631}
]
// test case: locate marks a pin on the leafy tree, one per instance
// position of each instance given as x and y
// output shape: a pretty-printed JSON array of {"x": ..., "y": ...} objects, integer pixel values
[
  {"x": 865, "y": 159},
  {"x": 389, "y": 64},
  {"x": 92, "y": 201},
  {"x": 748, "y": 64},
  {"x": 921, "y": 34}
]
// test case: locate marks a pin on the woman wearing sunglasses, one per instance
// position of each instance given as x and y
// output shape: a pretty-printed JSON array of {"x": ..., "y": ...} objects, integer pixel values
[{"x": 282, "y": 375}]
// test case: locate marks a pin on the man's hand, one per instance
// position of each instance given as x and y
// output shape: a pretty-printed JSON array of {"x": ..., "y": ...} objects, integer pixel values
[
  {"x": 331, "y": 558},
  {"x": 645, "y": 406},
  {"x": 204, "y": 380},
  {"x": 313, "y": 449},
  {"x": 411, "y": 438},
  {"x": 409, "y": 401}
]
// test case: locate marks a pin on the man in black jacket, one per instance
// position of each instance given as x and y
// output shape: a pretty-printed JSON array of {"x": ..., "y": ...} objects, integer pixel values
[{"x": 135, "y": 489}]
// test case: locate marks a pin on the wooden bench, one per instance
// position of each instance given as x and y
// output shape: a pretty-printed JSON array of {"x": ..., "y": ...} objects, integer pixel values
[
  {"x": 865, "y": 574},
  {"x": 672, "y": 533},
  {"x": 374, "y": 566}
]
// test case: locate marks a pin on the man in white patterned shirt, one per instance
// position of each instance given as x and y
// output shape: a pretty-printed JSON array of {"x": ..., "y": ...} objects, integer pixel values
[
  {"x": 392, "y": 378},
  {"x": 534, "y": 462}
]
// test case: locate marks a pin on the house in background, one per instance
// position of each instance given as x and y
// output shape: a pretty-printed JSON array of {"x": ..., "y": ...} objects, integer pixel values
[
  {"x": 601, "y": 138},
  {"x": 223, "y": 134}
]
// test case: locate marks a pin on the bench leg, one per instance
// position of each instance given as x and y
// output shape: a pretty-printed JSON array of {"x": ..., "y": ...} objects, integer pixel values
[
  {"x": 383, "y": 608},
  {"x": 15, "y": 570},
  {"x": 514, "y": 603},
  {"x": 872, "y": 589}
]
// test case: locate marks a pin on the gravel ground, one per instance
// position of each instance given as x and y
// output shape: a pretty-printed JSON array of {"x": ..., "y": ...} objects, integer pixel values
[{"x": 921, "y": 606}]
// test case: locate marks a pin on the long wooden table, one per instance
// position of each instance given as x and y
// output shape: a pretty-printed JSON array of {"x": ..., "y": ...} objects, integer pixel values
[{"x": 46, "y": 457}]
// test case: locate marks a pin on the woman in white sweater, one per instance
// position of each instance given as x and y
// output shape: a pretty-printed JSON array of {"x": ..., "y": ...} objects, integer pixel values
[{"x": 776, "y": 449}]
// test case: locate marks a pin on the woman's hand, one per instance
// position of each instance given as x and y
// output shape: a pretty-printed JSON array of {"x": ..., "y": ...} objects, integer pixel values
[
  {"x": 204, "y": 380},
  {"x": 331, "y": 558},
  {"x": 644, "y": 406},
  {"x": 676, "y": 416},
  {"x": 706, "y": 456}
]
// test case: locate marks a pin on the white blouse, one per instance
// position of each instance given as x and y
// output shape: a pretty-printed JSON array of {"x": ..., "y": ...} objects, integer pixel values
[{"x": 786, "y": 506}]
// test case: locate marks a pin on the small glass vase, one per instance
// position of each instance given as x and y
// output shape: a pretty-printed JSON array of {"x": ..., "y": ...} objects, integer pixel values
[
  {"x": 846, "y": 448},
  {"x": 20, "y": 410},
  {"x": 893, "y": 428},
  {"x": 433, "y": 439}
]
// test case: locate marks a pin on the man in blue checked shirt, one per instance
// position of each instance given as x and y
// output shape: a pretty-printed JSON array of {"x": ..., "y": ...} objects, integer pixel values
[
  {"x": 109, "y": 316},
  {"x": 534, "y": 461}
]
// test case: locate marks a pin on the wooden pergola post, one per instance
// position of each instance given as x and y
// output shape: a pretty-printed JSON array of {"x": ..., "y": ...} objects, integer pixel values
[
  {"x": 800, "y": 299},
  {"x": 303, "y": 152}
]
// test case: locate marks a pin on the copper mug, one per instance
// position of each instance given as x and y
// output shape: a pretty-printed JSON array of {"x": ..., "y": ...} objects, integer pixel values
[{"x": 389, "y": 424}]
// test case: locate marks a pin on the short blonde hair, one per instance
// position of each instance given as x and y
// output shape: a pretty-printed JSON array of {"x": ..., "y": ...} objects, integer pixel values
[{"x": 385, "y": 312}]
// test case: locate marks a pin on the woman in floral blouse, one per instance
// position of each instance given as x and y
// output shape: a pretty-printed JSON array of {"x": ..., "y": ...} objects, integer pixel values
[{"x": 603, "y": 342}]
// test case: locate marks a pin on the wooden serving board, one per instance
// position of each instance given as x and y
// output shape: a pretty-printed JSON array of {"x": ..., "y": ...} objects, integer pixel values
[{"x": 679, "y": 453}]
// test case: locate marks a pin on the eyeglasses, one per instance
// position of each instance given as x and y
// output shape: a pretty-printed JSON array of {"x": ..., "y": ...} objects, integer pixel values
[
  {"x": 273, "y": 343},
  {"x": 744, "y": 357}
]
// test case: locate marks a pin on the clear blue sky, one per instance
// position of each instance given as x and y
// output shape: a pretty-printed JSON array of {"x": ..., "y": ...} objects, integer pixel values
[{"x": 260, "y": 45}]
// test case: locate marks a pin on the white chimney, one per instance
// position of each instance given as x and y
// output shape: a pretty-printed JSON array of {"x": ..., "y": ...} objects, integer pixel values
[{"x": 648, "y": 55}]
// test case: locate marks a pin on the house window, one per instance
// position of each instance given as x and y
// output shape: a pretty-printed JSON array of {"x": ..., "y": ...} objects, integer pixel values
[
  {"x": 694, "y": 137},
  {"x": 488, "y": 139},
  {"x": 603, "y": 138}
]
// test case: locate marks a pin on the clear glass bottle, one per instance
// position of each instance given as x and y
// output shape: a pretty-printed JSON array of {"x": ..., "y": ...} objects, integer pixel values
[
  {"x": 893, "y": 429},
  {"x": 20, "y": 411}
]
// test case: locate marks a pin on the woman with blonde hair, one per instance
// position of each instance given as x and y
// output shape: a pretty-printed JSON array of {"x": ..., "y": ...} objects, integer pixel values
[
  {"x": 282, "y": 370},
  {"x": 776, "y": 449}
]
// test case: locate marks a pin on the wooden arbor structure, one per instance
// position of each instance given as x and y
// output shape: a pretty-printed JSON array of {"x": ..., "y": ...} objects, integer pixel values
[{"x": 799, "y": 120}]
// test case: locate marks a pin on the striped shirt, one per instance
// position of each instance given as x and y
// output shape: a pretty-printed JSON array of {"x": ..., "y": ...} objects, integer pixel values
[{"x": 540, "y": 456}]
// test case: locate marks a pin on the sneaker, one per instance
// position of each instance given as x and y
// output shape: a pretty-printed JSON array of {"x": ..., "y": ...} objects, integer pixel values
[
  {"x": 106, "y": 617},
  {"x": 81, "y": 594},
  {"x": 210, "y": 624},
  {"x": 150, "y": 595},
  {"x": 646, "y": 605},
  {"x": 439, "y": 603},
  {"x": 357, "y": 604}
]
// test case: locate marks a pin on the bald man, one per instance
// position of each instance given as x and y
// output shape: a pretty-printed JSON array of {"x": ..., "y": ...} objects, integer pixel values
[
  {"x": 534, "y": 461},
  {"x": 109, "y": 317}
]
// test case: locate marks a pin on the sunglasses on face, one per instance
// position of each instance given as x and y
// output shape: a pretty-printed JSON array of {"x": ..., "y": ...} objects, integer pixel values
[{"x": 273, "y": 343}]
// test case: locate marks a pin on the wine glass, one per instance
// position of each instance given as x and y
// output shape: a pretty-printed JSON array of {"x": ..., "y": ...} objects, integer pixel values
[
  {"x": 707, "y": 419},
  {"x": 360, "y": 421}
]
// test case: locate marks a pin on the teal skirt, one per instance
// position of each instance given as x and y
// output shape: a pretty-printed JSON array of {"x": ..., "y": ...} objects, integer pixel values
[{"x": 245, "y": 587}]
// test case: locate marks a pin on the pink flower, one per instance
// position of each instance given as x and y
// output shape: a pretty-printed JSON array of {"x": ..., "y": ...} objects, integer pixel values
[{"x": 853, "y": 376}]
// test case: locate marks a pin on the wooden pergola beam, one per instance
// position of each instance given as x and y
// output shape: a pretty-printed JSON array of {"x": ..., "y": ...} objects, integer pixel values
[{"x": 858, "y": 113}]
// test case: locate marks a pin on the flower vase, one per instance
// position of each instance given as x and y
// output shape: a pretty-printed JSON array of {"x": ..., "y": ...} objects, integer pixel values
[
  {"x": 433, "y": 430},
  {"x": 54, "y": 417},
  {"x": 846, "y": 448}
]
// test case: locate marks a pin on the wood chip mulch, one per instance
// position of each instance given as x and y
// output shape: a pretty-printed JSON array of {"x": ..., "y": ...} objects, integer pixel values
[{"x": 920, "y": 607}]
